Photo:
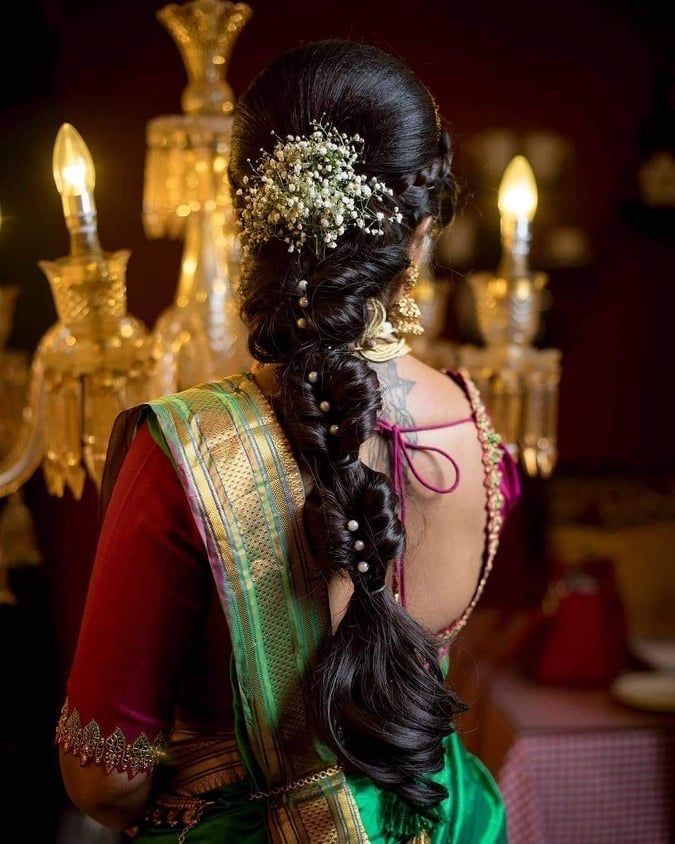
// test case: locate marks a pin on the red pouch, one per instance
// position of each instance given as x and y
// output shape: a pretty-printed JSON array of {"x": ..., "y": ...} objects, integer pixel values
[{"x": 579, "y": 637}]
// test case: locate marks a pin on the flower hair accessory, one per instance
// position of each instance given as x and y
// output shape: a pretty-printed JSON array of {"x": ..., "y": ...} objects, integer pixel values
[{"x": 307, "y": 192}]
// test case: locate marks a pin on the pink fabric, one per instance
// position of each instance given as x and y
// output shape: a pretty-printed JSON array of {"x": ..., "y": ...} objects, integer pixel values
[
  {"x": 511, "y": 485},
  {"x": 590, "y": 787},
  {"x": 575, "y": 766}
]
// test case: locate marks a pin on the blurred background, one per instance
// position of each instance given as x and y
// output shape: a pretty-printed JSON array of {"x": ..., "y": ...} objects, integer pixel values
[{"x": 583, "y": 590}]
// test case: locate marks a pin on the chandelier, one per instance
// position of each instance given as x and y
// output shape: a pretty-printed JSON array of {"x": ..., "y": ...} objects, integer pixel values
[
  {"x": 187, "y": 194},
  {"x": 14, "y": 373},
  {"x": 97, "y": 360},
  {"x": 18, "y": 546},
  {"x": 518, "y": 382},
  {"x": 94, "y": 361}
]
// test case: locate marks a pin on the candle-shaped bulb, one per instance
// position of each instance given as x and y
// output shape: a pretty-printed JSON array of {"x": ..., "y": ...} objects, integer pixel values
[
  {"x": 518, "y": 191},
  {"x": 75, "y": 178},
  {"x": 74, "y": 172}
]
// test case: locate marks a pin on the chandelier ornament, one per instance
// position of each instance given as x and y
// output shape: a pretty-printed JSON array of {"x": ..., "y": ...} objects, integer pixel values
[
  {"x": 518, "y": 382},
  {"x": 14, "y": 373},
  {"x": 18, "y": 547},
  {"x": 95, "y": 361},
  {"x": 187, "y": 195}
]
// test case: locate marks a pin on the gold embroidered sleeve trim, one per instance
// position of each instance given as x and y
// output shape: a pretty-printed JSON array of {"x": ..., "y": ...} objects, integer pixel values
[{"x": 112, "y": 752}]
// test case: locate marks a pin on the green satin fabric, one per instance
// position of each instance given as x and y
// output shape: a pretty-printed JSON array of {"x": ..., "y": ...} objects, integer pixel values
[{"x": 473, "y": 812}]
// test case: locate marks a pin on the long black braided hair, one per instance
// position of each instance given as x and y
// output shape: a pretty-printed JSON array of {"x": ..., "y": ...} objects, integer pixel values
[{"x": 382, "y": 703}]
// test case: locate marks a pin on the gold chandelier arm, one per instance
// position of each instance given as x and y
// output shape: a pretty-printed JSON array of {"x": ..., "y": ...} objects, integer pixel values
[{"x": 27, "y": 451}]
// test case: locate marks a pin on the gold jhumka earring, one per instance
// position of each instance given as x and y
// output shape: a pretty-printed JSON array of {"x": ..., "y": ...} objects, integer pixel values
[{"x": 405, "y": 315}]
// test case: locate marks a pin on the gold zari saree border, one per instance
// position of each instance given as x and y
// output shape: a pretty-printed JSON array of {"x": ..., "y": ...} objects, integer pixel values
[{"x": 246, "y": 494}]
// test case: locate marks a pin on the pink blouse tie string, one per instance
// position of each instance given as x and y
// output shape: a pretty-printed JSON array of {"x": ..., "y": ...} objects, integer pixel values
[{"x": 400, "y": 455}]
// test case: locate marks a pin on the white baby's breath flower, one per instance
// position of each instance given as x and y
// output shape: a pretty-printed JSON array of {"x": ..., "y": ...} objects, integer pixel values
[{"x": 307, "y": 191}]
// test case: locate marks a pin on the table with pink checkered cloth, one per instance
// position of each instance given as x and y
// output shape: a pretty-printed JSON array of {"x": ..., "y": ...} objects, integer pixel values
[{"x": 577, "y": 768}]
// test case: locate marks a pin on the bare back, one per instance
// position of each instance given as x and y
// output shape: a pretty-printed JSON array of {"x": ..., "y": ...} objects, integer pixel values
[{"x": 445, "y": 533}]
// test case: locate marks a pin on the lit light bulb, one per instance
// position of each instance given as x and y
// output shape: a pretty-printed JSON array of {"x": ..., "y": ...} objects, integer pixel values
[
  {"x": 518, "y": 192},
  {"x": 74, "y": 172},
  {"x": 75, "y": 179}
]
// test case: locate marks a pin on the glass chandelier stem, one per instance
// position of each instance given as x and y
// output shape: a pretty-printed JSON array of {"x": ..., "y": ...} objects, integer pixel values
[
  {"x": 205, "y": 279},
  {"x": 199, "y": 262},
  {"x": 205, "y": 32},
  {"x": 27, "y": 450},
  {"x": 83, "y": 231},
  {"x": 187, "y": 194},
  {"x": 516, "y": 241}
]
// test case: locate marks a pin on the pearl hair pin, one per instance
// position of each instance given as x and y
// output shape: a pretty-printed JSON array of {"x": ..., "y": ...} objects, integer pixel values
[
  {"x": 334, "y": 430},
  {"x": 359, "y": 545},
  {"x": 352, "y": 525},
  {"x": 324, "y": 406},
  {"x": 303, "y": 301},
  {"x": 302, "y": 322},
  {"x": 313, "y": 377},
  {"x": 363, "y": 566},
  {"x": 302, "y": 285}
]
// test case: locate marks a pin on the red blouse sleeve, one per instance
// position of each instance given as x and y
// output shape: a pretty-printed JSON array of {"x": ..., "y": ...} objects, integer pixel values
[{"x": 148, "y": 594}]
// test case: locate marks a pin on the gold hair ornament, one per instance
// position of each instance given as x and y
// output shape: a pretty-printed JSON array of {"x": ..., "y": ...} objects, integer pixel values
[{"x": 379, "y": 341}]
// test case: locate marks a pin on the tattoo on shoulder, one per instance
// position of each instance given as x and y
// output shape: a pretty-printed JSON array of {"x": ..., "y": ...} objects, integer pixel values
[{"x": 395, "y": 393}]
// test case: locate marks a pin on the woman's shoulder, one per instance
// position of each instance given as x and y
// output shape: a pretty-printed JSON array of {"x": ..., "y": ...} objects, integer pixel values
[
  {"x": 449, "y": 396},
  {"x": 147, "y": 491},
  {"x": 232, "y": 383},
  {"x": 147, "y": 460},
  {"x": 436, "y": 395}
]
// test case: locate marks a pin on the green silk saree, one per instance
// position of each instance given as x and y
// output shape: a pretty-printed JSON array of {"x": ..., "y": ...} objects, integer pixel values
[{"x": 246, "y": 495}]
